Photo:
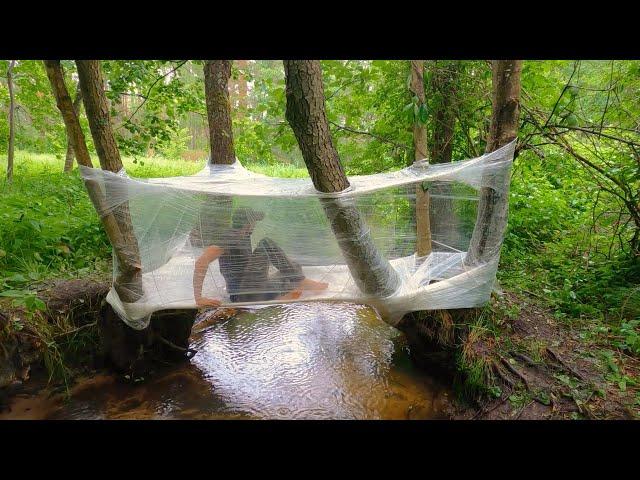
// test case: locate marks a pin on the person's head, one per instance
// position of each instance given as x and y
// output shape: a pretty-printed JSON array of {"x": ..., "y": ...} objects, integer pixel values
[{"x": 246, "y": 217}]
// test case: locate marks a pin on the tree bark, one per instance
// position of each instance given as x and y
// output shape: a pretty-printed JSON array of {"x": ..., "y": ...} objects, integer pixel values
[
  {"x": 442, "y": 89},
  {"x": 306, "y": 114},
  {"x": 128, "y": 350},
  {"x": 214, "y": 214},
  {"x": 77, "y": 105},
  {"x": 216, "y": 84},
  {"x": 79, "y": 145},
  {"x": 423, "y": 200},
  {"x": 443, "y": 86},
  {"x": 12, "y": 126},
  {"x": 128, "y": 284},
  {"x": 493, "y": 206},
  {"x": 437, "y": 337},
  {"x": 95, "y": 101}
]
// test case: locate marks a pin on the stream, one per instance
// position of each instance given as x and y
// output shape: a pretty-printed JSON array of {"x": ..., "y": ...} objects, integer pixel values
[{"x": 298, "y": 361}]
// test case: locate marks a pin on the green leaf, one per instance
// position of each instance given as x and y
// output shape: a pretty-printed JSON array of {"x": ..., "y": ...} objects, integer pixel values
[
  {"x": 16, "y": 277},
  {"x": 14, "y": 293},
  {"x": 34, "y": 303},
  {"x": 423, "y": 114}
]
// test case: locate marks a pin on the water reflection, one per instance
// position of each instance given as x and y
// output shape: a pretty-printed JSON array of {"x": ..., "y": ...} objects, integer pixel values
[{"x": 306, "y": 361}]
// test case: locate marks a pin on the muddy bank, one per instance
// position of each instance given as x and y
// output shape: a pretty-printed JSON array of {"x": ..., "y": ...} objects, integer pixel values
[{"x": 70, "y": 305}]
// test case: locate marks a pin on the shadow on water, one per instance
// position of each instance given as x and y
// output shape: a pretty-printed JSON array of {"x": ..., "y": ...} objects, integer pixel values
[{"x": 302, "y": 361}]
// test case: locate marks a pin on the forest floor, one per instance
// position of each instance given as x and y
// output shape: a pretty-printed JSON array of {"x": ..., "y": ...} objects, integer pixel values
[{"x": 550, "y": 370}]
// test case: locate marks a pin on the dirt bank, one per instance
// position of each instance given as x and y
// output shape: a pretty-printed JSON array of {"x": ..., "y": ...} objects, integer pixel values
[
  {"x": 71, "y": 306},
  {"x": 544, "y": 369}
]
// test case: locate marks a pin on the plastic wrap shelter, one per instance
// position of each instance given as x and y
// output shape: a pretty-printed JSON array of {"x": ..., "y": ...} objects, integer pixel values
[{"x": 263, "y": 238}]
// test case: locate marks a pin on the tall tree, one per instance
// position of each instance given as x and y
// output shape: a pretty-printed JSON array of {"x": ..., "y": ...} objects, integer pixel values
[
  {"x": 443, "y": 98},
  {"x": 12, "y": 127},
  {"x": 129, "y": 283},
  {"x": 216, "y": 84},
  {"x": 443, "y": 90},
  {"x": 493, "y": 206},
  {"x": 92, "y": 85},
  {"x": 112, "y": 224},
  {"x": 124, "y": 346},
  {"x": 437, "y": 336},
  {"x": 214, "y": 214},
  {"x": 420, "y": 152},
  {"x": 70, "y": 156},
  {"x": 306, "y": 114}
]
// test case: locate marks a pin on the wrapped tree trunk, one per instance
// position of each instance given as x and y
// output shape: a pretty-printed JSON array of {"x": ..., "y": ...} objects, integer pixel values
[
  {"x": 493, "y": 207},
  {"x": 437, "y": 337},
  {"x": 77, "y": 105},
  {"x": 306, "y": 114},
  {"x": 79, "y": 145},
  {"x": 128, "y": 284},
  {"x": 214, "y": 214},
  {"x": 12, "y": 126},
  {"x": 442, "y": 89},
  {"x": 167, "y": 336},
  {"x": 420, "y": 152}
]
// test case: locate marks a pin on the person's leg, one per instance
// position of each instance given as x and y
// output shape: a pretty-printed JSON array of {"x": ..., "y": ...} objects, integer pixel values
[
  {"x": 285, "y": 266},
  {"x": 255, "y": 278},
  {"x": 290, "y": 276}
]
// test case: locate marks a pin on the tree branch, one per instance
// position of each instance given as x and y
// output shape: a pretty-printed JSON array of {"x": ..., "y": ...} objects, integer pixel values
[{"x": 362, "y": 132}]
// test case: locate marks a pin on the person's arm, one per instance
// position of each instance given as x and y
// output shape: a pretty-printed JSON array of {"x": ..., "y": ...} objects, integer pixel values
[{"x": 209, "y": 255}]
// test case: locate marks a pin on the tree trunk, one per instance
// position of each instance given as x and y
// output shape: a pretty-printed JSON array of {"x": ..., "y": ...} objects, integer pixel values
[
  {"x": 442, "y": 89},
  {"x": 306, "y": 114},
  {"x": 216, "y": 85},
  {"x": 215, "y": 211},
  {"x": 79, "y": 146},
  {"x": 128, "y": 284},
  {"x": 423, "y": 200},
  {"x": 12, "y": 126},
  {"x": 128, "y": 350},
  {"x": 443, "y": 86},
  {"x": 97, "y": 108},
  {"x": 493, "y": 206},
  {"x": 77, "y": 105},
  {"x": 437, "y": 337}
]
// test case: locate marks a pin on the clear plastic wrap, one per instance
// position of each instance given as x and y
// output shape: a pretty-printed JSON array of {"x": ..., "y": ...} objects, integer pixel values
[{"x": 260, "y": 240}]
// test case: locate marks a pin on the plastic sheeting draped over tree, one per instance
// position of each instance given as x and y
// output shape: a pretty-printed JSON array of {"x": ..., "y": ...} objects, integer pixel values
[{"x": 175, "y": 218}]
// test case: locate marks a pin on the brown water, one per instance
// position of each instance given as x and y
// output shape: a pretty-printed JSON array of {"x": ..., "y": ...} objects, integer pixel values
[{"x": 302, "y": 361}]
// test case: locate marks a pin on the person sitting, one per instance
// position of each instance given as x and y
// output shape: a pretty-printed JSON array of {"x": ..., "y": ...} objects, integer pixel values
[{"x": 246, "y": 271}]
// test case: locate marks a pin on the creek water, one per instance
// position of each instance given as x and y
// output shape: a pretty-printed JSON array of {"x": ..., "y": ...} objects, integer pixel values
[{"x": 302, "y": 361}]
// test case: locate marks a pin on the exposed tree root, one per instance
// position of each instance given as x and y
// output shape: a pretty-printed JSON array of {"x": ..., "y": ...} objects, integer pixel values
[
  {"x": 513, "y": 370},
  {"x": 566, "y": 366}
]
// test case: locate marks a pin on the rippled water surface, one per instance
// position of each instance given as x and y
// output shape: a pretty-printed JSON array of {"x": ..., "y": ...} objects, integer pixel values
[{"x": 306, "y": 361}]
